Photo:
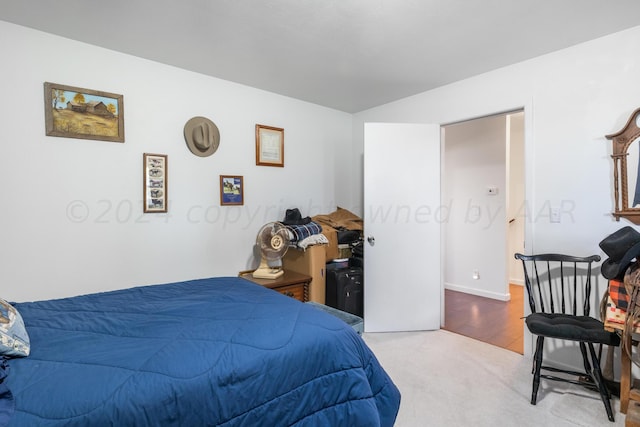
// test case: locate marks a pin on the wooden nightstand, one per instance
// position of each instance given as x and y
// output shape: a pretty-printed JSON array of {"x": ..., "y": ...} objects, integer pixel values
[{"x": 291, "y": 284}]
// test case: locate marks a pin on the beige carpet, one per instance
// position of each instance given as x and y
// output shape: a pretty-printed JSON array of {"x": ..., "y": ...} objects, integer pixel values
[{"x": 451, "y": 380}]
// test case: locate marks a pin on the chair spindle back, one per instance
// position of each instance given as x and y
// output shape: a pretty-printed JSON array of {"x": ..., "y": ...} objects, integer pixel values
[{"x": 558, "y": 283}]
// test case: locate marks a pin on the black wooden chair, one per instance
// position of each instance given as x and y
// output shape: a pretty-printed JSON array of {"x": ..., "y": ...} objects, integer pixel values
[{"x": 559, "y": 290}]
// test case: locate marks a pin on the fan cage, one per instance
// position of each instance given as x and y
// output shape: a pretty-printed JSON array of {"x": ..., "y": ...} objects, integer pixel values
[{"x": 273, "y": 241}]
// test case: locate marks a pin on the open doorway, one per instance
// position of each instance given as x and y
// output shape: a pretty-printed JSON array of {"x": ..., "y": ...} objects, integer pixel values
[{"x": 483, "y": 186}]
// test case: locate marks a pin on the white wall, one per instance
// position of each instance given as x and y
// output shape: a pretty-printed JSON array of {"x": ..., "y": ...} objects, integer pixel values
[
  {"x": 475, "y": 229},
  {"x": 72, "y": 209},
  {"x": 571, "y": 99}
]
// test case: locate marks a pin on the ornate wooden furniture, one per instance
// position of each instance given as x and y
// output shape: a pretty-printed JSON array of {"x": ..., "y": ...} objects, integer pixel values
[{"x": 626, "y": 159}]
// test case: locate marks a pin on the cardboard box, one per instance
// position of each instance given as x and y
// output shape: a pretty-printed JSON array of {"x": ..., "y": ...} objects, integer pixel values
[
  {"x": 344, "y": 251},
  {"x": 312, "y": 263}
]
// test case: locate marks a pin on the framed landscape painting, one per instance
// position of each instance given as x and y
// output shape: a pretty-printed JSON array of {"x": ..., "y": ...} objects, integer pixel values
[{"x": 74, "y": 112}]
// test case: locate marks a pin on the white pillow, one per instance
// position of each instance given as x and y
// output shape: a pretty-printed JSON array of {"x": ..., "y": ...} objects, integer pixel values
[{"x": 14, "y": 340}]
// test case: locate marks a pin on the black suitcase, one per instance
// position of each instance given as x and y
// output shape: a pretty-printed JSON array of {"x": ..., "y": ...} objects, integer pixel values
[{"x": 344, "y": 290}]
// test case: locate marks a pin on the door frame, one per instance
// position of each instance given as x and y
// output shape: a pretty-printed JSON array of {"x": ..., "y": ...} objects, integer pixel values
[{"x": 529, "y": 197}]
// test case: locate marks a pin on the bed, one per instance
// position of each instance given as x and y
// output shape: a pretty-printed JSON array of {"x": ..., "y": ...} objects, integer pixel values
[{"x": 219, "y": 351}]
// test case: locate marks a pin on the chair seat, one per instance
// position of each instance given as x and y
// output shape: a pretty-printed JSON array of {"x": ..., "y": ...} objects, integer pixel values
[{"x": 568, "y": 327}]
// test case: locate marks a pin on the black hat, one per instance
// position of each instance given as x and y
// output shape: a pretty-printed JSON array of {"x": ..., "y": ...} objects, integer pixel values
[
  {"x": 294, "y": 217},
  {"x": 621, "y": 247}
]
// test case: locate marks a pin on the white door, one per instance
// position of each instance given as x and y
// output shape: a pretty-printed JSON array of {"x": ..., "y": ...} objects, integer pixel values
[{"x": 402, "y": 217}]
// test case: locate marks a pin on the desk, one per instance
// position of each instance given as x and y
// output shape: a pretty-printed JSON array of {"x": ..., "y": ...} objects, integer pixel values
[{"x": 291, "y": 284}]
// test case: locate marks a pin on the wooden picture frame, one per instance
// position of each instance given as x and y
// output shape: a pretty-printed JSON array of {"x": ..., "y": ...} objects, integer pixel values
[
  {"x": 231, "y": 190},
  {"x": 155, "y": 170},
  {"x": 73, "y": 112},
  {"x": 626, "y": 182},
  {"x": 269, "y": 146}
]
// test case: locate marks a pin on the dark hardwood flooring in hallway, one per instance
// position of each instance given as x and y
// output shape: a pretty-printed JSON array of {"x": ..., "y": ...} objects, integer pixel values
[{"x": 495, "y": 322}]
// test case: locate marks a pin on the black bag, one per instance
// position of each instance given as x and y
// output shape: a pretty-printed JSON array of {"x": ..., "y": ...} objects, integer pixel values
[
  {"x": 347, "y": 236},
  {"x": 357, "y": 249},
  {"x": 344, "y": 290}
]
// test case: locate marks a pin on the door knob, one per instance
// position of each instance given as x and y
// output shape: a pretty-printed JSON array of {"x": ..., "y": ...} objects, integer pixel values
[{"x": 371, "y": 240}]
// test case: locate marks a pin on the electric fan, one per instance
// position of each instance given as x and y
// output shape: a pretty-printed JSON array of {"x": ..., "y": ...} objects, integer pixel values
[{"x": 273, "y": 242}]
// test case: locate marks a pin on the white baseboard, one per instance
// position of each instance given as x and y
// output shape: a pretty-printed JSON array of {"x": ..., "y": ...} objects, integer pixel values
[
  {"x": 517, "y": 282},
  {"x": 478, "y": 292}
]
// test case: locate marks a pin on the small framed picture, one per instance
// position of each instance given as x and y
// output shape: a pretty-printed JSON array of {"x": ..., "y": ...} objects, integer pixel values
[
  {"x": 231, "y": 190},
  {"x": 155, "y": 182},
  {"x": 73, "y": 112},
  {"x": 269, "y": 146}
]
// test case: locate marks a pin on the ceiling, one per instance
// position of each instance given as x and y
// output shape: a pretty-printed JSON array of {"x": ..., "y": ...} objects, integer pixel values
[{"x": 349, "y": 55}]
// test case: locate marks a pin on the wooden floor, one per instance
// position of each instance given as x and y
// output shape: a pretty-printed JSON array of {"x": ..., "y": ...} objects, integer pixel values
[{"x": 495, "y": 322}]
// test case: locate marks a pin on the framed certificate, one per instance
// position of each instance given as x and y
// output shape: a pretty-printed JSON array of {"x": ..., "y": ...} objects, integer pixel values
[{"x": 269, "y": 146}]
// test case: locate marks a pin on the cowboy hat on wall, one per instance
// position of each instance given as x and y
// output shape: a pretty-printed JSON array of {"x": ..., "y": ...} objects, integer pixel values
[{"x": 202, "y": 136}]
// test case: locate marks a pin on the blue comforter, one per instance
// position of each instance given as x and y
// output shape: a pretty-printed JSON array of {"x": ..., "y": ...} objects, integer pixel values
[{"x": 220, "y": 351}]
